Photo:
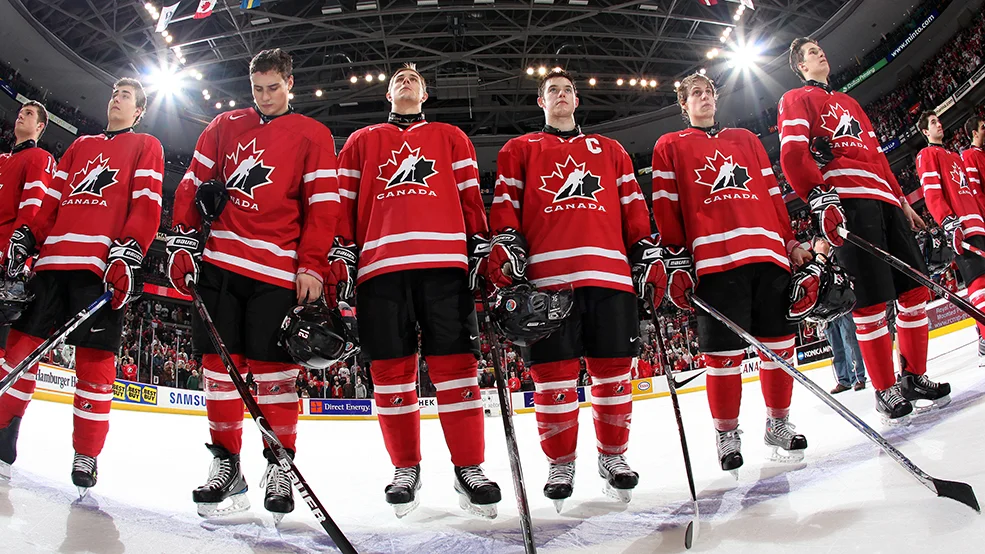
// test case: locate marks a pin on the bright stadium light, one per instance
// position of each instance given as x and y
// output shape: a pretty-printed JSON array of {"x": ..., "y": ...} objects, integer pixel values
[
  {"x": 632, "y": 82},
  {"x": 745, "y": 56},
  {"x": 232, "y": 103},
  {"x": 592, "y": 81},
  {"x": 218, "y": 105},
  {"x": 166, "y": 80},
  {"x": 619, "y": 81},
  {"x": 530, "y": 71},
  {"x": 353, "y": 79},
  {"x": 653, "y": 83}
]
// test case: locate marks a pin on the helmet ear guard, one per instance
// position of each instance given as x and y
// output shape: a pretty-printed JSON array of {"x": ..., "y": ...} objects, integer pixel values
[
  {"x": 317, "y": 337},
  {"x": 525, "y": 315}
]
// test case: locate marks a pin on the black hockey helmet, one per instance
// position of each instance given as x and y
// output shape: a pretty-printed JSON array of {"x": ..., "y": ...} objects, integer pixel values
[
  {"x": 525, "y": 315},
  {"x": 835, "y": 295},
  {"x": 210, "y": 199},
  {"x": 14, "y": 299},
  {"x": 317, "y": 337}
]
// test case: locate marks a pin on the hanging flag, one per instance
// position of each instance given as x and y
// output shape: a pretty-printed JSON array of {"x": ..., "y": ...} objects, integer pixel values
[
  {"x": 204, "y": 9},
  {"x": 166, "y": 14},
  {"x": 247, "y": 4},
  {"x": 747, "y": 4},
  {"x": 709, "y": 2}
]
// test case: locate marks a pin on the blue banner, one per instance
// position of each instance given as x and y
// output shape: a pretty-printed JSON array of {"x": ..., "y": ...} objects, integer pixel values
[
  {"x": 8, "y": 88},
  {"x": 340, "y": 407}
]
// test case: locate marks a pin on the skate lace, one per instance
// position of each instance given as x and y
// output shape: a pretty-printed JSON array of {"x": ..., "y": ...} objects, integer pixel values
[
  {"x": 927, "y": 383},
  {"x": 473, "y": 477},
  {"x": 615, "y": 464},
  {"x": 781, "y": 428},
  {"x": 84, "y": 463},
  {"x": 276, "y": 481},
  {"x": 219, "y": 473},
  {"x": 404, "y": 477},
  {"x": 892, "y": 395},
  {"x": 729, "y": 442},
  {"x": 561, "y": 473}
]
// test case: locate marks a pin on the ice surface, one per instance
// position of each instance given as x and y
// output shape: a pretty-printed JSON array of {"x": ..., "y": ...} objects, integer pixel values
[{"x": 847, "y": 496}]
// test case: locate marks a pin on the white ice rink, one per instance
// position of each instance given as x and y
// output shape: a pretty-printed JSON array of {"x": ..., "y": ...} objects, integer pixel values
[{"x": 847, "y": 496}]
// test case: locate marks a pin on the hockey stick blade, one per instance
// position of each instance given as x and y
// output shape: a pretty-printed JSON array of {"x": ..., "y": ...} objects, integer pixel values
[
  {"x": 689, "y": 532},
  {"x": 962, "y": 492}
]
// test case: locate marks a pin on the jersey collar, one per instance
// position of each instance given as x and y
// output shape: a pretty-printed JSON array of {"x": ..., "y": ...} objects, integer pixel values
[
  {"x": 824, "y": 86},
  {"x": 935, "y": 144},
  {"x": 264, "y": 119},
  {"x": 30, "y": 143},
  {"x": 551, "y": 130},
  {"x": 112, "y": 134},
  {"x": 404, "y": 120},
  {"x": 711, "y": 131}
]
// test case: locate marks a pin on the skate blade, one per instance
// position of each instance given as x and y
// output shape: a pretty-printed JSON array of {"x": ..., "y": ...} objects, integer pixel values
[
  {"x": 782, "y": 456},
  {"x": 83, "y": 492},
  {"x": 931, "y": 406},
  {"x": 278, "y": 517},
  {"x": 486, "y": 511},
  {"x": 400, "y": 510},
  {"x": 734, "y": 473},
  {"x": 897, "y": 422},
  {"x": 233, "y": 505},
  {"x": 559, "y": 505},
  {"x": 5, "y": 471},
  {"x": 622, "y": 495}
]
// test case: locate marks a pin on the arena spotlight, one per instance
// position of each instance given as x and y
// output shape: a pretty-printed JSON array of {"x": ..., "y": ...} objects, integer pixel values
[
  {"x": 318, "y": 93},
  {"x": 353, "y": 79},
  {"x": 745, "y": 56},
  {"x": 653, "y": 83},
  {"x": 232, "y": 103},
  {"x": 290, "y": 96},
  {"x": 530, "y": 71},
  {"x": 381, "y": 77},
  {"x": 632, "y": 82},
  {"x": 677, "y": 84},
  {"x": 369, "y": 78},
  {"x": 592, "y": 82},
  {"x": 619, "y": 82},
  {"x": 541, "y": 70},
  {"x": 166, "y": 80}
]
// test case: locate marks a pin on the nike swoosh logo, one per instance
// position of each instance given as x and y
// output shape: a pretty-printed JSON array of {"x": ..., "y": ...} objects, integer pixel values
[
  {"x": 235, "y": 117},
  {"x": 535, "y": 140},
  {"x": 473, "y": 337},
  {"x": 679, "y": 384},
  {"x": 97, "y": 330},
  {"x": 683, "y": 134}
]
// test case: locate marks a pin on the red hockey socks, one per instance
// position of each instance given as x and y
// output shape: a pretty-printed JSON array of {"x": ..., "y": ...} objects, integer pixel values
[
  {"x": 93, "y": 399},
  {"x": 223, "y": 403},
  {"x": 876, "y": 344},
  {"x": 976, "y": 296},
  {"x": 395, "y": 391},
  {"x": 912, "y": 327},
  {"x": 777, "y": 385},
  {"x": 13, "y": 403},
  {"x": 556, "y": 406},
  {"x": 278, "y": 398},
  {"x": 724, "y": 384},
  {"x": 459, "y": 406},
  {"x": 612, "y": 402}
]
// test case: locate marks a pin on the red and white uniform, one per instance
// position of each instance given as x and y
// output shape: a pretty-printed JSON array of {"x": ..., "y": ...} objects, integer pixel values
[
  {"x": 859, "y": 168},
  {"x": 284, "y": 197},
  {"x": 974, "y": 167},
  {"x": 946, "y": 189},
  {"x": 106, "y": 187},
  {"x": 577, "y": 203},
  {"x": 24, "y": 178},
  {"x": 410, "y": 197},
  {"x": 717, "y": 196}
]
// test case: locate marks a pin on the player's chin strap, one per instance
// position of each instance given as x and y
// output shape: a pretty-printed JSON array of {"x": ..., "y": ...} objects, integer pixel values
[
  {"x": 825, "y": 86},
  {"x": 268, "y": 118},
  {"x": 30, "y": 143},
  {"x": 551, "y": 130},
  {"x": 405, "y": 119},
  {"x": 712, "y": 131}
]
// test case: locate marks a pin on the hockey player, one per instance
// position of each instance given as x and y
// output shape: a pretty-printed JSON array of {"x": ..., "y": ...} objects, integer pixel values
[
  {"x": 96, "y": 222},
  {"x": 25, "y": 174},
  {"x": 715, "y": 199},
  {"x": 266, "y": 252},
  {"x": 955, "y": 204},
  {"x": 974, "y": 157},
  {"x": 410, "y": 237},
  {"x": 830, "y": 155},
  {"x": 568, "y": 208}
]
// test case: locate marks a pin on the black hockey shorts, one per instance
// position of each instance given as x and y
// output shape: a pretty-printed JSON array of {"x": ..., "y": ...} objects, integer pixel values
[
  {"x": 604, "y": 323},
  {"x": 971, "y": 265},
  {"x": 4, "y": 332},
  {"x": 246, "y": 312},
  {"x": 391, "y": 308},
  {"x": 755, "y": 296},
  {"x": 885, "y": 226},
  {"x": 60, "y": 296}
]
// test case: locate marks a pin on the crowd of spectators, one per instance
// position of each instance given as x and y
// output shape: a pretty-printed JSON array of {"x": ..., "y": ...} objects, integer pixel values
[{"x": 70, "y": 114}]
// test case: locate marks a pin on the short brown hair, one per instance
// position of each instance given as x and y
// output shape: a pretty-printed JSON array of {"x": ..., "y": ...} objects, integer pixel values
[
  {"x": 688, "y": 82},
  {"x": 797, "y": 55},
  {"x": 924, "y": 122},
  {"x": 971, "y": 125},
  {"x": 272, "y": 60},
  {"x": 557, "y": 72},
  {"x": 140, "y": 97},
  {"x": 410, "y": 66},
  {"x": 42, "y": 113}
]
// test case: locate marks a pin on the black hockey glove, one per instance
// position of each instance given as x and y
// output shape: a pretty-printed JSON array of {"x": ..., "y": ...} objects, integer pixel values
[
  {"x": 821, "y": 151},
  {"x": 507, "y": 258},
  {"x": 954, "y": 232},
  {"x": 340, "y": 283},
  {"x": 184, "y": 250},
  {"x": 22, "y": 246},
  {"x": 122, "y": 275},
  {"x": 648, "y": 270},
  {"x": 478, "y": 247},
  {"x": 828, "y": 214},
  {"x": 680, "y": 275}
]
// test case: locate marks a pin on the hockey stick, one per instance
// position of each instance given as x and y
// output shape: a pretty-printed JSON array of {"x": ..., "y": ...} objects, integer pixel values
[
  {"x": 962, "y": 492},
  {"x": 691, "y": 532},
  {"x": 907, "y": 270},
  {"x": 506, "y": 410},
  {"x": 973, "y": 249},
  {"x": 286, "y": 463},
  {"x": 50, "y": 342}
]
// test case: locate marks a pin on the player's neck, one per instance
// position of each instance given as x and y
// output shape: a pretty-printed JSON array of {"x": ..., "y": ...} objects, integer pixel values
[
  {"x": 703, "y": 123},
  {"x": 29, "y": 142},
  {"x": 977, "y": 143},
  {"x": 115, "y": 127},
  {"x": 405, "y": 108},
  {"x": 22, "y": 138},
  {"x": 563, "y": 124}
]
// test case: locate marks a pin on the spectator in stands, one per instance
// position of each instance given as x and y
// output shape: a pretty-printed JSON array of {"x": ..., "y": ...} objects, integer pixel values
[
  {"x": 193, "y": 382},
  {"x": 360, "y": 388},
  {"x": 849, "y": 368}
]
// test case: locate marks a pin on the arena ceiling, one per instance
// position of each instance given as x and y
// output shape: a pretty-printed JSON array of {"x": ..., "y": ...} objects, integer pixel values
[{"x": 474, "y": 53}]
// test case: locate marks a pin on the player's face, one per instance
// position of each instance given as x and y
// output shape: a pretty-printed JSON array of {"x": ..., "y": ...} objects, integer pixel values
[
  {"x": 815, "y": 62},
  {"x": 700, "y": 101},
  {"x": 559, "y": 99},
  {"x": 122, "y": 109},
  {"x": 270, "y": 91},
  {"x": 27, "y": 121},
  {"x": 934, "y": 128},
  {"x": 981, "y": 130},
  {"x": 407, "y": 87}
]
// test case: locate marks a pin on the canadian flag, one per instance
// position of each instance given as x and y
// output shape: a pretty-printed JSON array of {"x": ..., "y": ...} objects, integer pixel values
[
  {"x": 204, "y": 9},
  {"x": 709, "y": 2}
]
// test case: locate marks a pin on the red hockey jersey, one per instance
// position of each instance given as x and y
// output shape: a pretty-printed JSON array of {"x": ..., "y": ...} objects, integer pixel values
[
  {"x": 859, "y": 168},
  {"x": 24, "y": 178},
  {"x": 946, "y": 190},
  {"x": 974, "y": 168},
  {"x": 106, "y": 187},
  {"x": 577, "y": 203},
  {"x": 283, "y": 195},
  {"x": 410, "y": 197},
  {"x": 717, "y": 196}
]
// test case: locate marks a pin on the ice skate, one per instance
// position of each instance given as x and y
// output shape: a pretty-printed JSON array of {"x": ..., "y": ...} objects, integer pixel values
[
  {"x": 225, "y": 491},
  {"x": 729, "y": 451},
  {"x": 560, "y": 483},
  {"x": 620, "y": 480},
  {"x": 788, "y": 447},
  {"x": 894, "y": 409},
  {"x": 8, "y": 447},
  {"x": 981, "y": 352},
  {"x": 402, "y": 492},
  {"x": 915, "y": 387},
  {"x": 83, "y": 473},
  {"x": 279, "y": 496},
  {"x": 477, "y": 495}
]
